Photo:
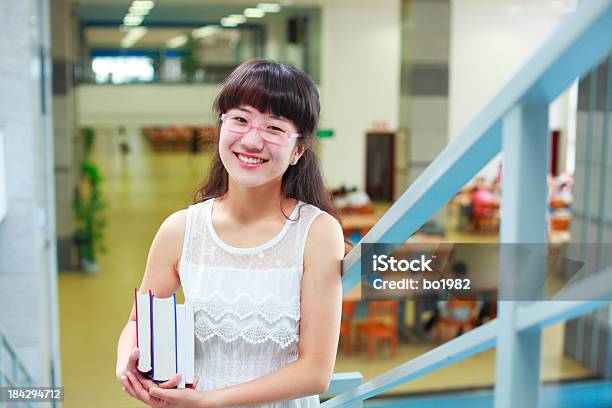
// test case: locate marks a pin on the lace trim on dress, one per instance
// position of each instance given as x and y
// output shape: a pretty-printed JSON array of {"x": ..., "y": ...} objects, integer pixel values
[
  {"x": 254, "y": 333},
  {"x": 243, "y": 306},
  {"x": 254, "y": 321}
]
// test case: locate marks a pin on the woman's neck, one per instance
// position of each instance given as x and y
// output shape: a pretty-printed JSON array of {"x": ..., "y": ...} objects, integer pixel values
[{"x": 249, "y": 204}]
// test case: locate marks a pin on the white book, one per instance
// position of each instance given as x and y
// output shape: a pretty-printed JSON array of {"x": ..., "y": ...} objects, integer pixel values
[
  {"x": 169, "y": 347},
  {"x": 143, "y": 330},
  {"x": 186, "y": 345},
  {"x": 163, "y": 333}
]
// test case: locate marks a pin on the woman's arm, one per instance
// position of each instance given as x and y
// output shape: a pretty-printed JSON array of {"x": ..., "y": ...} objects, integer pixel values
[
  {"x": 321, "y": 304},
  {"x": 161, "y": 276}
]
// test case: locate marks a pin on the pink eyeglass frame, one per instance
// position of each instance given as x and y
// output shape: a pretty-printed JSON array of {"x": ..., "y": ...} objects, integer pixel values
[{"x": 258, "y": 126}]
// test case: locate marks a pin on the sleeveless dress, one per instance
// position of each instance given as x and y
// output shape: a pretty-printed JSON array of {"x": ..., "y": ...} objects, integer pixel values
[{"x": 246, "y": 300}]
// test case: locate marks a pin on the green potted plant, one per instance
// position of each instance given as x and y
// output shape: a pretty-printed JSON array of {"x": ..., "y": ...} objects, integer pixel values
[
  {"x": 88, "y": 208},
  {"x": 189, "y": 61},
  {"x": 88, "y": 140}
]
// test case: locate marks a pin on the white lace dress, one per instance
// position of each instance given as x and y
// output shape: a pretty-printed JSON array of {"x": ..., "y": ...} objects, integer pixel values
[{"x": 246, "y": 300}]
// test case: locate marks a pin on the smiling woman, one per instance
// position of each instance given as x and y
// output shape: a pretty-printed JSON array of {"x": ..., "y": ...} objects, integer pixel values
[
  {"x": 259, "y": 255},
  {"x": 267, "y": 148},
  {"x": 287, "y": 102}
]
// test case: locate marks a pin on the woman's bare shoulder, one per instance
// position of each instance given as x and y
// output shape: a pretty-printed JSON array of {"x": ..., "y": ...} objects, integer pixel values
[
  {"x": 325, "y": 236},
  {"x": 325, "y": 223},
  {"x": 176, "y": 220},
  {"x": 169, "y": 237}
]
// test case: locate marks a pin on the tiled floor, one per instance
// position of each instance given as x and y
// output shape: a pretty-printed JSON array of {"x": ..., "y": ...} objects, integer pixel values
[{"x": 141, "y": 190}]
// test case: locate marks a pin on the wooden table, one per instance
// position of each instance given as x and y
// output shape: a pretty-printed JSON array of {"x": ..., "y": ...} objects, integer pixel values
[{"x": 360, "y": 223}]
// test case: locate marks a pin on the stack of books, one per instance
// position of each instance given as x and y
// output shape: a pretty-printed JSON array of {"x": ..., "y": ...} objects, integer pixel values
[{"x": 165, "y": 338}]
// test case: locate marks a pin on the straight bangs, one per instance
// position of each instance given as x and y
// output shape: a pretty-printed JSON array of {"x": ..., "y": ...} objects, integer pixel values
[{"x": 275, "y": 88}]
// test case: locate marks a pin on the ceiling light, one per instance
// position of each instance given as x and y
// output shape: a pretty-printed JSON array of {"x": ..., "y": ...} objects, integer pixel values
[
  {"x": 205, "y": 31},
  {"x": 130, "y": 20},
  {"x": 143, "y": 3},
  {"x": 142, "y": 11},
  {"x": 269, "y": 7},
  {"x": 239, "y": 18},
  {"x": 233, "y": 20},
  {"x": 177, "y": 42},
  {"x": 138, "y": 10},
  {"x": 228, "y": 22},
  {"x": 254, "y": 13},
  {"x": 132, "y": 36}
]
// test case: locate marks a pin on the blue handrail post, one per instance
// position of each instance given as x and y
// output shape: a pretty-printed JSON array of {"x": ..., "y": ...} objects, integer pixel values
[
  {"x": 342, "y": 382},
  {"x": 1, "y": 359},
  {"x": 523, "y": 220}
]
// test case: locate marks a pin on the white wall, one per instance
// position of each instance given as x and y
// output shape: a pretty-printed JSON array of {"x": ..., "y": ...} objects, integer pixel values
[
  {"x": 28, "y": 309},
  {"x": 2, "y": 179},
  {"x": 145, "y": 104},
  {"x": 562, "y": 116},
  {"x": 488, "y": 44},
  {"x": 490, "y": 40},
  {"x": 360, "y": 72}
]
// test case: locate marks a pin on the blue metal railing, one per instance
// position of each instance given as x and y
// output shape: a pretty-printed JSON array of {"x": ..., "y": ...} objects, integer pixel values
[
  {"x": 342, "y": 382},
  {"x": 13, "y": 372},
  {"x": 515, "y": 122}
]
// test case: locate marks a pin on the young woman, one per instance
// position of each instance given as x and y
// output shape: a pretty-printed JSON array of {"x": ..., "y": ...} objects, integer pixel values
[{"x": 259, "y": 255}]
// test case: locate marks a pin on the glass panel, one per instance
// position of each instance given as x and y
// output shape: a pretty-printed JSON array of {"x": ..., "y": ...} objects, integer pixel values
[{"x": 118, "y": 70}]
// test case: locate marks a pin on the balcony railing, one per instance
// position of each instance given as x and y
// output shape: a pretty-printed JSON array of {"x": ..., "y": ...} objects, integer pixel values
[
  {"x": 514, "y": 122},
  {"x": 13, "y": 372}
]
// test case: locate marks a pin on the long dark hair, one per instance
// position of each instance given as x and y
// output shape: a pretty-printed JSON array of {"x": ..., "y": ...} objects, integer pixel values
[{"x": 283, "y": 90}]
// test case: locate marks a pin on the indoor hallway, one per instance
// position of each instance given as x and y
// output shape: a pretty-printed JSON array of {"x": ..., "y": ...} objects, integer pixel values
[{"x": 141, "y": 190}]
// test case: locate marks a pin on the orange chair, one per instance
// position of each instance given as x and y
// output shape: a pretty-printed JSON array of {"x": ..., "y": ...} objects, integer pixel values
[
  {"x": 183, "y": 138},
  {"x": 207, "y": 135},
  {"x": 171, "y": 138},
  {"x": 558, "y": 203},
  {"x": 159, "y": 140},
  {"x": 348, "y": 309},
  {"x": 560, "y": 222},
  {"x": 381, "y": 325},
  {"x": 461, "y": 315}
]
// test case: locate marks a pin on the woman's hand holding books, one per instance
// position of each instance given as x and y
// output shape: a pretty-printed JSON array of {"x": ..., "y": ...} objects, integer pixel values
[
  {"x": 171, "y": 397},
  {"x": 130, "y": 375},
  {"x": 140, "y": 386}
]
